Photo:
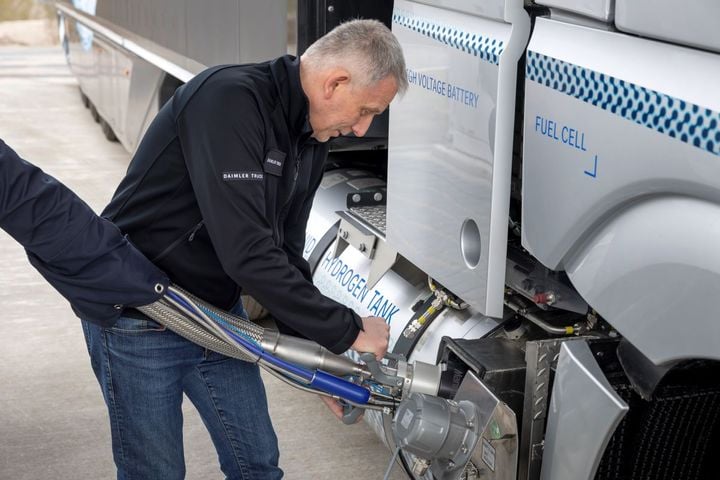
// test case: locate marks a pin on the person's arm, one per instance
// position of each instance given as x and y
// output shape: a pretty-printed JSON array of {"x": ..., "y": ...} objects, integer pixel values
[
  {"x": 82, "y": 255},
  {"x": 374, "y": 333},
  {"x": 221, "y": 132}
]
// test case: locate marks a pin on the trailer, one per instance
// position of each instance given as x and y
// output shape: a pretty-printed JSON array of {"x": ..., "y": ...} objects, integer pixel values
[{"x": 538, "y": 215}]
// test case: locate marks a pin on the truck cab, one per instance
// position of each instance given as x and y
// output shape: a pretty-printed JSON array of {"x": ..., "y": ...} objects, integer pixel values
[{"x": 538, "y": 214}]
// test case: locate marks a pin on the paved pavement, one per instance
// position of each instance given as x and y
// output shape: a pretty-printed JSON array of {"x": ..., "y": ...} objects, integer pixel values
[{"x": 52, "y": 418}]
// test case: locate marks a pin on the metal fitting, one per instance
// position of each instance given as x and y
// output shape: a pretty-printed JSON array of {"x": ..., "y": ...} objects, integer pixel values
[{"x": 420, "y": 466}]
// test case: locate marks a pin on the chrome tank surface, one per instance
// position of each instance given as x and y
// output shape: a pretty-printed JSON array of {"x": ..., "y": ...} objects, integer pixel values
[{"x": 392, "y": 298}]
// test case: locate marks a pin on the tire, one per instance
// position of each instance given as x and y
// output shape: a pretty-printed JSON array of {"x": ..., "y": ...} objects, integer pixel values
[
  {"x": 94, "y": 113},
  {"x": 108, "y": 131}
]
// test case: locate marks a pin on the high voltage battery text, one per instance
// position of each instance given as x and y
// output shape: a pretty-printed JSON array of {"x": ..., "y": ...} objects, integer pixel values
[{"x": 441, "y": 87}]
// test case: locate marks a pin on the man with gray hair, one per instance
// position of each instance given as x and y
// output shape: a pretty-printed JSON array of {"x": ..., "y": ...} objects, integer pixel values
[
  {"x": 361, "y": 53},
  {"x": 218, "y": 196}
]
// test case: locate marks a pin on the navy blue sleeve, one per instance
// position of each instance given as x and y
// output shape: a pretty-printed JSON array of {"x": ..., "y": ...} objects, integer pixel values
[
  {"x": 221, "y": 131},
  {"x": 83, "y": 256}
]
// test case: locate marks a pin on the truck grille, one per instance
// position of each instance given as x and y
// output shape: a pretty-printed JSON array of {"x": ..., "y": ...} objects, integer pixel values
[{"x": 673, "y": 437}]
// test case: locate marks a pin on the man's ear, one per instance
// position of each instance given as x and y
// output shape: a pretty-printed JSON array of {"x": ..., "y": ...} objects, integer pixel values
[{"x": 335, "y": 79}]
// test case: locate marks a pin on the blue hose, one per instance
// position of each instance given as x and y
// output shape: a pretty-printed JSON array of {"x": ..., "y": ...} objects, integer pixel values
[
  {"x": 303, "y": 373},
  {"x": 319, "y": 380},
  {"x": 342, "y": 388},
  {"x": 181, "y": 301},
  {"x": 227, "y": 326}
]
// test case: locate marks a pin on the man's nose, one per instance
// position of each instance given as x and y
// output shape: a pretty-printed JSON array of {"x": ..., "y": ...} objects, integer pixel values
[{"x": 361, "y": 126}]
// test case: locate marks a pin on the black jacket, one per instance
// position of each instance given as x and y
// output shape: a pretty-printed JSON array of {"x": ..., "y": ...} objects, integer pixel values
[
  {"x": 83, "y": 256},
  {"x": 219, "y": 192}
]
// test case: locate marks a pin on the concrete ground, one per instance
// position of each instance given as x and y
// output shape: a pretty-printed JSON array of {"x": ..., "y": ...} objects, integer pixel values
[
  {"x": 29, "y": 33},
  {"x": 52, "y": 418}
]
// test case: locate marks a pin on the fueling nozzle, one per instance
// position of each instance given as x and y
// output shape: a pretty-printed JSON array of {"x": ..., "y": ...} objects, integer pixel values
[
  {"x": 311, "y": 355},
  {"x": 398, "y": 375},
  {"x": 396, "y": 379},
  {"x": 301, "y": 363},
  {"x": 402, "y": 376}
]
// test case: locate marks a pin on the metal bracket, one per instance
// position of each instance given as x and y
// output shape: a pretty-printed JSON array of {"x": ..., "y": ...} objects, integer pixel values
[
  {"x": 540, "y": 357},
  {"x": 352, "y": 232},
  {"x": 385, "y": 258}
]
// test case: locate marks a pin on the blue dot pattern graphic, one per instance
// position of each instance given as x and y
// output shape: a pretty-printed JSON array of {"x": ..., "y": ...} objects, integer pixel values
[
  {"x": 488, "y": 49},
  {"x": 687, "y": 122}
]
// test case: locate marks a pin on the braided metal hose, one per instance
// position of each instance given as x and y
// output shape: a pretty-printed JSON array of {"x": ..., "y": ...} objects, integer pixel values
[
  {"x": 248, "y": 328},
  {"x": 295, "y": 350},
  {"x": 175, "y": 321}
]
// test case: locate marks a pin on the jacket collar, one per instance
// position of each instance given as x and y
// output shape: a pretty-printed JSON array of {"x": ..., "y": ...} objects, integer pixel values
[{"x": 286, "y": 72}]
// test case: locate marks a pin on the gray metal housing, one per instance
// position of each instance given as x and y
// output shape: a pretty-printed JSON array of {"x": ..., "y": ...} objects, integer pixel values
[
  {"x": 584, "y": 413},
  {"x": 620, "y": 181},
  {"x": 209, "y": 32},
  {"x": 602, "y": 10},
  {"x": 450, "y": 144},
  {"x": 122, "y": 55},
  {"x": 695, "y": 23}
]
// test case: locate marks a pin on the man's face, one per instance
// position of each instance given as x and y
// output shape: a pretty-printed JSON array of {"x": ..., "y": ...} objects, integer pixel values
[{"x": 346, "y": 109}]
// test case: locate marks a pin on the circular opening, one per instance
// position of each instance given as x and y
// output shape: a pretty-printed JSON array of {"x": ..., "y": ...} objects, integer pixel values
[{"x": 470, "y": 243}]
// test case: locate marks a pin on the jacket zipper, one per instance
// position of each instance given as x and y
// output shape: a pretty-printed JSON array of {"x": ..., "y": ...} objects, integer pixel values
[
  {"x": 286, "y": 206},
  {"x": 294, "y": 184},
  {"x": 197, "y": 227},
  {"x": 190, "y": 235}
]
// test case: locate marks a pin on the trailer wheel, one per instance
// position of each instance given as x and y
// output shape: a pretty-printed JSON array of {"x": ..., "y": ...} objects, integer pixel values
[
  {"x": 94, "y": 113},
  {"x": 108, "y": 131}
]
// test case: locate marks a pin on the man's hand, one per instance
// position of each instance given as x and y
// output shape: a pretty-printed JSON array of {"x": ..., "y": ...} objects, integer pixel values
[
  {"x": 373, "y": 337},
  {"x": 335, "y": 407}
]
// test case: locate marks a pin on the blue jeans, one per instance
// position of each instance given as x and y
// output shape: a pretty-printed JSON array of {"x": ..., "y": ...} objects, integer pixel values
[{"x": 144, "y": 369}]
